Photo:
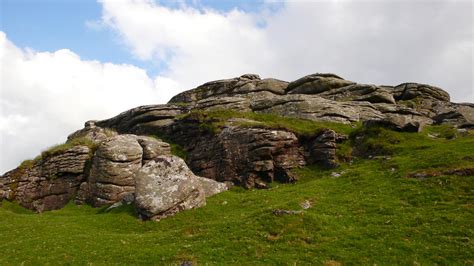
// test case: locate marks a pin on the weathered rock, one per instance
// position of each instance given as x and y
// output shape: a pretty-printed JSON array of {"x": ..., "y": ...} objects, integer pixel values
[
  {"x": 397, "y": 122},
  {"x": 408, "y": 91},
  {"x": 144, "y": 119},
  {"x": 49, "y": 183},
  {"x": 251, "y": 157},
  {"x": 317, "y": 83},
  {"x": 114, "y": 165},
  {"x": 322, "y": 148},
  {"x": 245, "y": 85},
  {"x": 211, "y": 187},
  {"x": 460, "y": 114},
  {"x": 313, "y": 107},
  {"x": 152, "y": 147},
  {"x": 92, "y": 132},
  {"x": 360, "y": 92},
  {"x": 165, "y": 186}
]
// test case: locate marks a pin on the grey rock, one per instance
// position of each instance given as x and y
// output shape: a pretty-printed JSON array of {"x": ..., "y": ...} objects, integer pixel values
[
  {"x": 317, "y": 83},
  {"x": 408, "y": 91},
  {"x": 114, "y": 165},
  {"x": 92, "y": 132},
  {"x": 360, "y": 92},
  {"x": 165, "y": 186},
  {"x": 247, "y": 85}
]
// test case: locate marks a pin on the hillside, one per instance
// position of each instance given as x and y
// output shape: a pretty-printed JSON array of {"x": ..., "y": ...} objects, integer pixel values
[{"x": 318, "y": 170}]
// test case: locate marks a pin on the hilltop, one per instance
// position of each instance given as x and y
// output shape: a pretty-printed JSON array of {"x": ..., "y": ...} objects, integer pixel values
[{"x": 318, "y": 169}]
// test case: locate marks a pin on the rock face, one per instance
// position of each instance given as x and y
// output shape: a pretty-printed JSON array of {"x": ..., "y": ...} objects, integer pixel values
[
  {"x": 48, "y": 184},
  {"x": 165, "y": 186},
  {"x": 251, "y": 157},
  {"x": 115, "y": 162},
  {"x": 122, "y": 161}
]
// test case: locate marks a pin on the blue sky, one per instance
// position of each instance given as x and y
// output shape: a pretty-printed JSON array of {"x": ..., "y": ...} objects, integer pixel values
[
  {"x": 50, "y": 25},
  {"x": 64, "y": 62}
]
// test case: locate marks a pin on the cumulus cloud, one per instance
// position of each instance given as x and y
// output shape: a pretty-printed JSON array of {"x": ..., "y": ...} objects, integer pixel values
[
  {"x": 385, "y": 42},
  {"x": 46, "y": 96}
]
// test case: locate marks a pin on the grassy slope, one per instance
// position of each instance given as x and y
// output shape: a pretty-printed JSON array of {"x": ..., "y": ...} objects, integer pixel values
[{"x": 369, "y": 214}]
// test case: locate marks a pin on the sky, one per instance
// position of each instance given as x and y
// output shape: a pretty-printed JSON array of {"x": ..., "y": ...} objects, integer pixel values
[{"x": 63, "y": 62}]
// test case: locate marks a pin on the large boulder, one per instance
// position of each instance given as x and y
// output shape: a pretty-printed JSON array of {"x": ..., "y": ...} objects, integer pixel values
[
  {"x": 317, "y": 83},
  {"x": 409, "y": 91},
  {"x": 165, "y": 186},
  {"x": 248, "y": 85},
  {"x": 115, "y": 162}
]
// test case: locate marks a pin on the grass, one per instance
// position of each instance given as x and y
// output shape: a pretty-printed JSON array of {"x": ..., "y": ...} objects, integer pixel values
[
  {"x": 214, "y": 120},
  {"x": 57, "y": 149},
  {"x": 176, "y": 149},
  {"x": 60, "y": 148},
  {"x": 370, "y": 214}
]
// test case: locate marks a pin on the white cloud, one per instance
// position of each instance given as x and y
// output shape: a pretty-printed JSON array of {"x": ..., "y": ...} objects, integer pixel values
[
  {"x": 385, "y": 42},
  {"x": 46, "y": 96}
]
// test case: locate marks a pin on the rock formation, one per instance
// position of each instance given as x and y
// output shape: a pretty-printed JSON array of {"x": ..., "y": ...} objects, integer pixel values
[{"x": 120, "y": 159}]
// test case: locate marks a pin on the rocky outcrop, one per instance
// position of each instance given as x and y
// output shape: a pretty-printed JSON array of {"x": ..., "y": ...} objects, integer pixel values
[
  {"x": 246, "y": 85},
  {"x": 123, "y": 161},
  {"x": 409, "y": 91},
  {"x": 317, "y": 83},
  {"x": 251, "y": 157},
  {"x": 47, "y": 184},
  {"x": 165, "y": 186}
]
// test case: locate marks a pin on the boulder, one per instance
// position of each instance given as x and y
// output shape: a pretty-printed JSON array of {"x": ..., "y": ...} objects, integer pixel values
[
  {"x": 408, "y": 91},
  {"x": 165, "y": 186},
  {"x": 360, "y": 92},
  {"x": 248, "y": 85},
  {"x": 397, "y": 122},
  {"x": 316, "y": 83},
  {"x": 92, "y": 132},
  {"x": 114, "y": 165}
]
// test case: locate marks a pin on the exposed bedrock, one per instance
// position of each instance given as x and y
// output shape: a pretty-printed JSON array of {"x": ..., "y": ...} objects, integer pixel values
[
  {"x": 118, "y": 153},
  {"x": 49, "y": 183}
]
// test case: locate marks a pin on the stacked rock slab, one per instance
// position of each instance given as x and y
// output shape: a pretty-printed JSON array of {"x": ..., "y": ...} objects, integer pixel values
[
  {"x": 48, "y": 184},
  {"x": 103, "y": 177},
  {"x": 251, "y": 157}
]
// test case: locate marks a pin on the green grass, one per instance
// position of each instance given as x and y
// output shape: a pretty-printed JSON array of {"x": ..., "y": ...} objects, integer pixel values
[
  {"x": 60, "y": 148},
  {"x": 215, "y": 119},
  {"x": 176, "y": 149},
  {"x": 372, "y": 213}
]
